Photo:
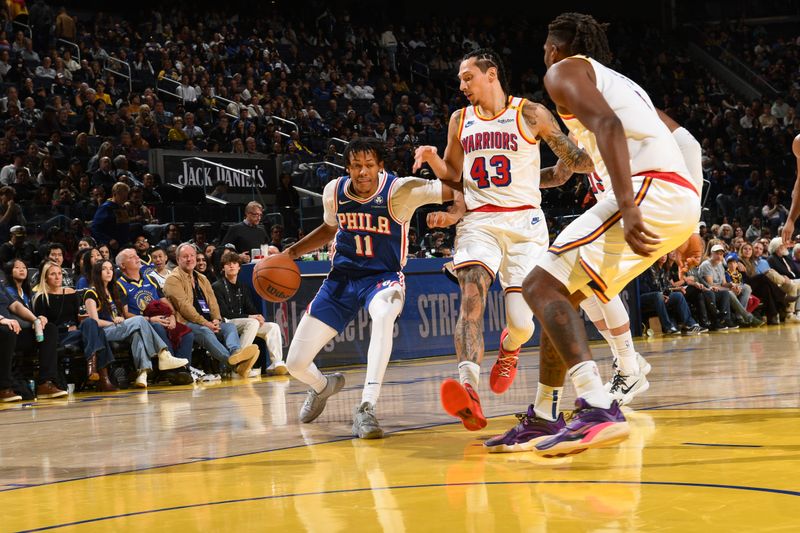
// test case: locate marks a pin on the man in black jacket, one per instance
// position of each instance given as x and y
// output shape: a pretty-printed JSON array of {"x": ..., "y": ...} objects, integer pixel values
[
  {"x": 236, "y": 306},
  {"x": 249, "y": 233}
]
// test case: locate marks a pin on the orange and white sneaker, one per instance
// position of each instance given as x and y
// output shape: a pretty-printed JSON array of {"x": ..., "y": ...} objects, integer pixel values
[
  {"x": 461, "y": 401},
  {"x": 504, "y": 369}
]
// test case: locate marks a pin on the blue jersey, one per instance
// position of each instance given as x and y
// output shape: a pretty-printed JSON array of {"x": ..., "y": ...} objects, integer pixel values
[
  {"x": 369, "y": 239},
  {"x": 137, "y": 294}
]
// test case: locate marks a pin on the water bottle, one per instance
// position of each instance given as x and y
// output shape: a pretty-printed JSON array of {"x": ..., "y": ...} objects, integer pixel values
[{"x": 37, "y": 328}]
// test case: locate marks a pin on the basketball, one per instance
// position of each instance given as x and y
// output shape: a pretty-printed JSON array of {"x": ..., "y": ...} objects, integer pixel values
[{"x": 276, "y": 278}]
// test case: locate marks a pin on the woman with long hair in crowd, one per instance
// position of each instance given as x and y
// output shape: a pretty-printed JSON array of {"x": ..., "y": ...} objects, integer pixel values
[
  {"x": 205, "y": 267},
  {"x": 18, "y": 283},
  {"x": 770, "y": 294},
  {"x": 105, "y": 305},
  {"x": 61, "y": 306},
  {"x": 84, "y": 265}
]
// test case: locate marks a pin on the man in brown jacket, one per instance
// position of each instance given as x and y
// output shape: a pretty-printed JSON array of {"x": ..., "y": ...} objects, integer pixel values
[{"x": 196, "y": 306}]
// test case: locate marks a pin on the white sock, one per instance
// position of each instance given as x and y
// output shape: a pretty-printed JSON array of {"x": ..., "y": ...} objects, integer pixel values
[
  {"x": 309, "y": 338},
  {"x": 626, "y": 353},
  {"x": 609, "y": 339},
  {"x": 469, "y": 372},
  {"x": 547, "y": 402},
  {"x": 383, "y": 311},
  {"x": 586, "y": 379}
]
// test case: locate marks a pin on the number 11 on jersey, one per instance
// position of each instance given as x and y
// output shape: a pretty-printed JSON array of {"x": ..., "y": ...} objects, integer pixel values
[{"x": 365, "y": 248}]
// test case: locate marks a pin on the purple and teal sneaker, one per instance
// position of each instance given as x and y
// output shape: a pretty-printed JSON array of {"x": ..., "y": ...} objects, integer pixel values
[
  {"x": 589, "y": 427},
  {"x": 524, "y": 436}
]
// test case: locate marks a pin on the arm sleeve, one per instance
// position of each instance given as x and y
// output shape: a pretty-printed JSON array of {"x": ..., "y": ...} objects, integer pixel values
[
  {"x": 329, "y": 203},
  {"x": 411, "y": 193}
]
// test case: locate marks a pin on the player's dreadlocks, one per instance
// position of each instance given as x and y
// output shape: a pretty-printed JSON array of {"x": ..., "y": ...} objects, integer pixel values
[
  {"x": 583, "y": 34},
  {"x": 485, "y": 58}
]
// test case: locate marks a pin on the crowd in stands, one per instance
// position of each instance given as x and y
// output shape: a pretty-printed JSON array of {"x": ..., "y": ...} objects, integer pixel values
[{"x": 78, "y": 200}]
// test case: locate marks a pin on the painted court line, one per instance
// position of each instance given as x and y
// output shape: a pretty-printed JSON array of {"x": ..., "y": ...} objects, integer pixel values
[{"x": 426, "y": 486}]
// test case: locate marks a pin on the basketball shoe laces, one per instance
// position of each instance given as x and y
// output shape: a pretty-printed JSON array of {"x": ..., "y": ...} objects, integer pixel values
[
  {"x": 506, "y": 365},
  {"x": 617, "y": 382}
]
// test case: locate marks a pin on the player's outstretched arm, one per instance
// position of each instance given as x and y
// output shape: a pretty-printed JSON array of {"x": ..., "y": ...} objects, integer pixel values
[
  {"x": 571, "y": 85},
  {"x": 444, "y": 219},
  {"x": 449, "y": 167},
  {"x": 794, "y": 210},
  {"x": 319, "y": 237}
]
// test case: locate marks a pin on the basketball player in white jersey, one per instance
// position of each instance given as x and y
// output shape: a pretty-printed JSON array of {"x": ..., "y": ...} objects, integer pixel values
[
  {"x": 493, "y": 144},
  {"x": 794, "y": 210},
  {"x": 654, "y": 208},
  {"x": 611, "y": 319}
]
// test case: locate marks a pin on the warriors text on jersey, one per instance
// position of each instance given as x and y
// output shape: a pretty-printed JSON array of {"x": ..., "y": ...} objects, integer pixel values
[
  {"x": 372, "y": 232},
  {"x": 651, "y": 146},
  {"x": 501, "y": 158}
]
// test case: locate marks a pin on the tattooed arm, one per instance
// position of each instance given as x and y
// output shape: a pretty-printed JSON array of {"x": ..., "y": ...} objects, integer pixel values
[
  {"x": 542, "y": 124},
  {"x": 555, "y": 176}
]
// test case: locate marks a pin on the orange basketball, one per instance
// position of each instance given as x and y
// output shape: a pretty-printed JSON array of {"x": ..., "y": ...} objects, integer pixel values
[{"x": 276, "y": 278}]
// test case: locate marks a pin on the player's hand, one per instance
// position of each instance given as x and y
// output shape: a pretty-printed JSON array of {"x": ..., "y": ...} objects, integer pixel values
[
  {"x": 641, "y": 240},
  {"x": 440, "y": 219},
  {"x": 786, "y": 233},
  {"x": 423, "y": 154}
]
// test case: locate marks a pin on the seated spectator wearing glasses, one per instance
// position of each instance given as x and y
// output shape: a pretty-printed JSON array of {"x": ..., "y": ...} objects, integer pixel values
[
  {"x": 17, "y": 333},
  {"x": 171, "y": 238},
  {"x": 249, "y": 233},
  {"x": 237, "y": 307},
  {"x": 138, "y": 290},
  {"x": 18, "y": 247},
  {"x": 781, "y": 263},
  {"x": 61, "y": 306},
  {"x": 104, "y": 304},
  {"x": 195, "y": 305}
]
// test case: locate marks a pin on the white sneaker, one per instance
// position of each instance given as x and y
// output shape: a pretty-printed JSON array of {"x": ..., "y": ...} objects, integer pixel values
[
  {"x": 141, "y": 380},
  {"x": 792, "y": 318},
  {"x": 254, "y": 373},
  {"x": 167, "y": 361},
  {"x": 625, "y": 388},
  {"x": 278, "y": 368},
  {"x": 644, "y": 368}
]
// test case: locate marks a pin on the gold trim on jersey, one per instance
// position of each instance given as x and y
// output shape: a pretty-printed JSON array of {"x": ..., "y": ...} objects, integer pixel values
[
  {"x": 520, "y": 124},
  {"x": 508, "y": 104}
]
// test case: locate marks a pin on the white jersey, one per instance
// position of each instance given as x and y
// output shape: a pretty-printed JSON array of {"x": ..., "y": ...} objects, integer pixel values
[
  {"x": 650, "y": 143},
  {"x": 690, "y": 150},
  {"x": 501, "y": 159}
]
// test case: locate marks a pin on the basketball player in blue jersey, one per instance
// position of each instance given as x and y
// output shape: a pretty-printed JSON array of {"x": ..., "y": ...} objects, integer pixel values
[
  {"x": 493, "y": 144},
  {"x": 366, "y": 213},
  {"x": 649, "y": 190}
]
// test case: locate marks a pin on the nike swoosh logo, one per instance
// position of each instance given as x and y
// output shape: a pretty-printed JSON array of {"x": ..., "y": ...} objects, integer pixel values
[
  {"x": 627, "y": 390},
  {"x": 342, "y": 202}
]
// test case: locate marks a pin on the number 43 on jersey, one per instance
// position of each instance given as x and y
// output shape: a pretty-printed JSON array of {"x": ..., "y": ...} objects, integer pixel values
[{"x": 499, "y": 165}]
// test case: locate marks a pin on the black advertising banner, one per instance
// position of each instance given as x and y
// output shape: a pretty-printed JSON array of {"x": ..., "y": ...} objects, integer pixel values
[{"x": 183, "y": 168}]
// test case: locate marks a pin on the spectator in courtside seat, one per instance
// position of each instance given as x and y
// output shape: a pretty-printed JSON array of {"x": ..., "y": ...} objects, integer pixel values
[
  {"x": 104, "y": 304},
  {"x": 61, "y": 306},
  {"x": 195, "y": 305},
  {"x": 237, "y": 307}
]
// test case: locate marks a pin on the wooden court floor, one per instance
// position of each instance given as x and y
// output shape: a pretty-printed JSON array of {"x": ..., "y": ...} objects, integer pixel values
[{"x": 714, "y": 446}]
